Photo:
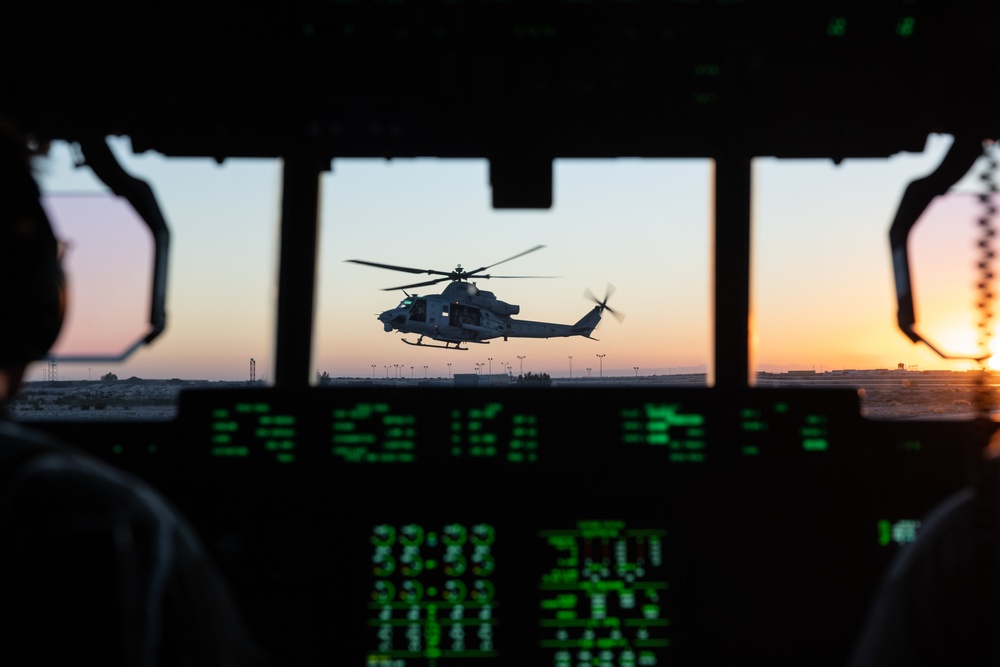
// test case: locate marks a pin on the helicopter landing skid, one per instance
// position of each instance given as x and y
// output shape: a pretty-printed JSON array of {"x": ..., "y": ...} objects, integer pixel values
[{"x": 446, "y": 346}]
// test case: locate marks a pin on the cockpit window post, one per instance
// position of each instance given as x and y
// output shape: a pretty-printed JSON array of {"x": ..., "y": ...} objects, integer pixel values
[
  {"x": 297, "y": 268},
  {"x": 732, "y": 368}
]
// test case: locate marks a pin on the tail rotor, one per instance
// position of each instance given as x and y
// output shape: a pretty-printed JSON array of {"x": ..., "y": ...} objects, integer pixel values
[{"x": 603, "y": 303}]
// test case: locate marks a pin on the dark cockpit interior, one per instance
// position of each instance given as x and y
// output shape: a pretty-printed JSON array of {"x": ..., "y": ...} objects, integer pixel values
[{"x": 613, "y": 526}]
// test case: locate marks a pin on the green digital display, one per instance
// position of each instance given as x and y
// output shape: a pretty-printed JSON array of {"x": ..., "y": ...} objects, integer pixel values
[
  {"x": 494, "y": 431},
  {"x": 253, "y": 428},
  {"x": 373, "y": 433},
  {"x": 433, "y": 596},
  {"x": 603, "y": 595},
  {"x": 681, "y": 433},
  {"x": 815, "y": 433},
  {"x": 902, "y": 531},
  {"x": 761, "y": 428}
]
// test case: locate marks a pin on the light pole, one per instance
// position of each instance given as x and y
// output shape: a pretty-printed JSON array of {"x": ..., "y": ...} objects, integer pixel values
[
  {"x": 522, "y": 364},
  {"x": 636, "y": 372},
  {"x": 491, "y": 370},
  {"x": 411, "y": 372},
  {"x": 373, "y": 371},
  {"x": 601, "y": 357},
  {"x": 386, "y": 371},
  {"x": 425, "y": 372},
  {"x": 588, "y": 372},
  {"x": 571, "y": 367},
  {"x": 449, "y": 370}
]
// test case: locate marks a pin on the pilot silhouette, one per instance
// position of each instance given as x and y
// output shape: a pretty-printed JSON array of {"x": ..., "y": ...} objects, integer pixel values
[{"x": 95, "y": 566}]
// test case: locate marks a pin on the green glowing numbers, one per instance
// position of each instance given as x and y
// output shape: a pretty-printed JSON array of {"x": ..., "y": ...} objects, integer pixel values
[
  {"x": 490, "y": 432},
  {"x": 666, "y": 425},
  {"x": 815, "y": 435},
  {"x": 249, "y": 428},
  {"x": 432, "y": 596},
  {"x": 603, "y": 594},
  {"x": 373, "y": 433}
]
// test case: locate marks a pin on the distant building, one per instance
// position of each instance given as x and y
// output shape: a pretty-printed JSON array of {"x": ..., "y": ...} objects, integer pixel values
[{"x": 478, "y": 380}]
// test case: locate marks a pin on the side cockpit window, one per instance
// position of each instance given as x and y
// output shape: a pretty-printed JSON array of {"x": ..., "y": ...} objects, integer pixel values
[{"x": 418, "y": 313}]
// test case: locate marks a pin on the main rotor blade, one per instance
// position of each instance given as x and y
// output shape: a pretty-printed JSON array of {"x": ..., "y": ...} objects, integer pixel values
[
  {"x": 520, "y": 254},
  {"x": 489, "y": 277},
  {"x": 393, "y": 267},
  {"x": 406, "y": 287}
]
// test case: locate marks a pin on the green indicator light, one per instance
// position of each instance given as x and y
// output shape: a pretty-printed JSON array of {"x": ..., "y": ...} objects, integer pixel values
[
  {"x": 750, "y": 450},
  {"x": 815, "y": 444},
  {"x": 343, "y": 426},
  {"x": 633, "y": 438},
  {"x": 905, "y": 26},
  {"x": 910, "y": 445},
  {"x": 781, "y": 407},
  {"x": 152, "y": 449},
  {"x": 657, "y": 439},
  {"x": 706, "y": 70},
  {"x": 884, "y": 532},
  {"x": 220, "y": 413},
  {"x": 749, "y": 413},
  {"x": 285, "y": 458},
  {"x": 813, "y": 420},
  {"x": 629, "y": 413},
  {"x": 117, "y": 449},
  {"x": 812, "y": 432},
  {"x": 657, "y": 426},
  {"x": 225, "y": 426},
  {"x": 837, "y": 26},
  {"x": 219, "y": 439}
]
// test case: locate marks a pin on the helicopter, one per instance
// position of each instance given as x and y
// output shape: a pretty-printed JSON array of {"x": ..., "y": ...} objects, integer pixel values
[{"x": 462, "y": 313}]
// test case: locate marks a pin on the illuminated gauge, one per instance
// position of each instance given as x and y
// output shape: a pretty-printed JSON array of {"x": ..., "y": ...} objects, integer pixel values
[
  {"x": 383, "y": 591},
  {"x": 483, "y": 533},
  {"x": 482, "y": 590},
  {"x": 455, "y": 590},
  {"x": 412, "y": 563},
  {"x": 384, "y": 565},
  {"x": 484, "y": 563},
  {"x": 455, "y": 534},
  {"x": 412, "y": 591},
  {"x": 411, "y": 534},
  {"x": 455, "y": 564},
  {"x": 383, "y": 535}
]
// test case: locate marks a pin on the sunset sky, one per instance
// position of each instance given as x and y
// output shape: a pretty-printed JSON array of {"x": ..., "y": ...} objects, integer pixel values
[{"x": 822, "y": 289}]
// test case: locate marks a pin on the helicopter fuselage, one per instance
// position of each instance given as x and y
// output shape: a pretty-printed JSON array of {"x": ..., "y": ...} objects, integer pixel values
[{"x": 465, "y": 314}]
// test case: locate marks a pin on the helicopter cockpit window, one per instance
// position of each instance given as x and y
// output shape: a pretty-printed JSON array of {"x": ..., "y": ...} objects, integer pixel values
[
  {"x": 418, "y": 311},
  {"x": 608, "y": 285},
  {"x": 220, "y": 309}
]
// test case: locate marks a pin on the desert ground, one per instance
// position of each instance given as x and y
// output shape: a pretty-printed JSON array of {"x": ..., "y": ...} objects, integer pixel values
[{"x": 884, "y": 394}]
